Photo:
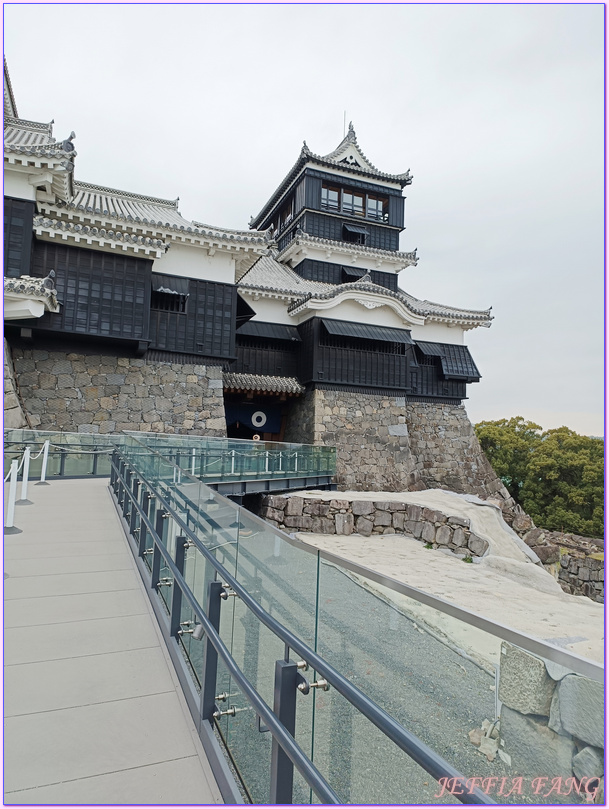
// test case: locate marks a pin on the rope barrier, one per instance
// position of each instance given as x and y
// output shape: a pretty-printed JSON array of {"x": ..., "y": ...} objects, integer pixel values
[{"x": 82, "y": 451}]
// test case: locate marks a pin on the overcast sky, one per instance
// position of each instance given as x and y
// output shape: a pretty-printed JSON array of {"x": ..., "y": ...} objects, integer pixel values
[{"x": 497, "y": 110}]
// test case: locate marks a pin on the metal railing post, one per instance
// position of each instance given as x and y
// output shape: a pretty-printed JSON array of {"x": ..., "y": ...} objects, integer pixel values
[
  {"x": 176, "y": 596},
  {"x": 145, "y": 503},
  {"x": 127, "y": 486},
  {"x": 132, "y": 520},
  {"x": 94, "y": 469},
  {"x": 9, "y": 525},
  {"x": 113, "y": 462},
  {"x": 23, "y": 501},
  {"x": 210, "y": 655},
  {"x": 62, "y": 461},
  {"x": 284, "y": 707},
  {"x": 156, "y": 554},
  {"x": 45, "y": 458}
]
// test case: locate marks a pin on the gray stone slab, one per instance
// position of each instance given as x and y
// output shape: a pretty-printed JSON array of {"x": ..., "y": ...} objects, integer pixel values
[
  {"x": 581, "y": 708},
  {"x": 99, "y": 563},
  {"x": 68, "y": 584},
  {"x": 74, "y": 682},
  {"x": 78, "y": 638},
  {"x": 535, "y": 750},
  {"x": 524, "y": 683},
  {"x": 160, "y": 784},
  {"x": 589, "y": 763},
  {"x": 64, "y": 609},
  {"x": 93, "y": 740}
]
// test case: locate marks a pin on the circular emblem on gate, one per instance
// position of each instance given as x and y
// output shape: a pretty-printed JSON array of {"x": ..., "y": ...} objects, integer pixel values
[{"x": 259, "y": 418}]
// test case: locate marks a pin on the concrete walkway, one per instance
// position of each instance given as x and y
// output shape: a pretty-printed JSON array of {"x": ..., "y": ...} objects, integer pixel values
[{"x": 93, "y": 710}]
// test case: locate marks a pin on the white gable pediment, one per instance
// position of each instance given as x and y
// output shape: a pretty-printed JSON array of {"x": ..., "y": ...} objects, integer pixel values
[{"x": 363, "y": 307}]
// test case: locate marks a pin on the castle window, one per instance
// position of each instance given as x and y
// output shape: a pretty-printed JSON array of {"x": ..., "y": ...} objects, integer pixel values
[
  {"x": 330, "y": 198},
  {"x": 354, "y": 234},
  {"x": 353, "y": 203},
  {"x": 287, "y": 214},
  {"x": 377, "y": 208},
  {"x": 168, "y": 301}
]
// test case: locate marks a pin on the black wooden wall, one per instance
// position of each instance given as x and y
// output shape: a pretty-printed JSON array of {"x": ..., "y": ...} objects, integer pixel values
[
  {"x": 266, "y": 357},
  {"x": 102, "y": 294},
  {"x": 18, "y": 236},
  {"x": 206, "y": 328},
  {"x": 333, "y": 274},
  {"x": 108, "y": 295}
]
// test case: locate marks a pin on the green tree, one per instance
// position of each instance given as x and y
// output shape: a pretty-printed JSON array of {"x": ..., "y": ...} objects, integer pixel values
[
  {"x": 509, "y": 445},
  {"x": 564, "y": 483}
]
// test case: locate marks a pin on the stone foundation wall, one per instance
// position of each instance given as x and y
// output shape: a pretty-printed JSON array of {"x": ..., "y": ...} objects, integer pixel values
[
  {"x": 576, "y": 562},
  {"x": 105, "y": 394},
  {"x": 552, "y": 721},
  {"x": 367, "y": 517},
  {"x": 386, "y": 443},
  {"x": 14, "y": 417}
]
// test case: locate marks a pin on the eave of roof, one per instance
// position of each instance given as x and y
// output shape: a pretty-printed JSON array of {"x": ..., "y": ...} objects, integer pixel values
[
  {"x": 263, "y": 384},
  {"x": 394, "y": 256},
  {"x": 430, "y": 311},
  {"x": 10, "y": 107},
  {"x": 136, "y": 209},
  {"x": 31, "y": 287}
]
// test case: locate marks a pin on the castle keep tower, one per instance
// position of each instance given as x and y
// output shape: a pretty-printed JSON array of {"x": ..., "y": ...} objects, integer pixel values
[
  {"x": 122, "y": 314},
  {"x": 382, "y": 374}
]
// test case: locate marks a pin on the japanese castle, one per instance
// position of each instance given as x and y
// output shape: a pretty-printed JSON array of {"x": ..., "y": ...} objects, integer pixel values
[{"x": 305, "y": 299}]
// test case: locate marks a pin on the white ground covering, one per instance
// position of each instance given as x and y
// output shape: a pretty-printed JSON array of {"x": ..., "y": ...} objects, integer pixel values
[{"x": 504, "y": 586}]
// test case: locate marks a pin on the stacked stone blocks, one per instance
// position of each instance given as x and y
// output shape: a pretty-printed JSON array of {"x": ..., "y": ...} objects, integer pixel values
[
  {"x": 107, "y": 394},
  {"x": 367, "y": 517},
  {"x": 552, "y": 720}
]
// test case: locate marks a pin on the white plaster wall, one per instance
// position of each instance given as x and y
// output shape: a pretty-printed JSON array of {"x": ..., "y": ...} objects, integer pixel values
[
  {"x": 16, "y": 185},
  {"x": 270, "y": 310},
  {"x": 438, "y": 333},
  {"x": 354, "y": 312},
  {"x": 194, "y": 262}
]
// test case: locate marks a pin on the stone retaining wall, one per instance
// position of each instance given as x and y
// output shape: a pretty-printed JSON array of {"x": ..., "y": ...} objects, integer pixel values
[
  {"x": 576, "y": 562},
  {"x": 94, "y": 393},
  {"x": 582, "y": 575},
  {"x": 385, "y": 443},
  {"x": 367, "y": 517},
  {"x": 14, "y": 417},
  {"x": 552, "y": 720}
]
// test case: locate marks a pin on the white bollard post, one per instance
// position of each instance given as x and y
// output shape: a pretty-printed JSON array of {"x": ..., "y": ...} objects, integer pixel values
[
  {"x": 23, "y": 501},
  {"x": 194, "y": 452},
  {"x": 45, "y": 458},
  {"x": 232, "y": 462},
  {"x": 9, "y": 525}
]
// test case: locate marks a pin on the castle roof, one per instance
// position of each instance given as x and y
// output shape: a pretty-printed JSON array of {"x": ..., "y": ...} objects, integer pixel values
[
  {"x": 270, "y": 277},
  {"x": 95, "y": 214},
  {"x": 10, "y": 107},
  {"x": 348, "y": 157}
]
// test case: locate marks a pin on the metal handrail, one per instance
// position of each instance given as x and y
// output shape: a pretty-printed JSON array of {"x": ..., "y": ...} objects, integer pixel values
[
  {"x": 577, "y": 663},
  {"x": 421, "y": 753},
  {"x": 292, "y": 749}
]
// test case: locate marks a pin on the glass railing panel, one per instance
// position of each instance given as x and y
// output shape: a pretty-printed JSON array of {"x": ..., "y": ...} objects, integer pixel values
[
  {"x": 437, "y": 675},
  {"x": 249, "y": 745},
  {"x": 281, "y": 576},
  {"x": 561, "y": 711},
  {"x": 360, "y": 763}
]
